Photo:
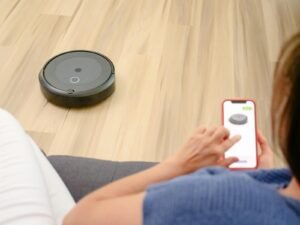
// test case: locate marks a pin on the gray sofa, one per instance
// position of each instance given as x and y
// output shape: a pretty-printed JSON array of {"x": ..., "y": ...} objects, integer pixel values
[{"x": 84, "y": 175}]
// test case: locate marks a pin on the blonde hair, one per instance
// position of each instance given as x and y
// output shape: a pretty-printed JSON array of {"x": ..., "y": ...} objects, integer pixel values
[{"x": 285, "y": 108}]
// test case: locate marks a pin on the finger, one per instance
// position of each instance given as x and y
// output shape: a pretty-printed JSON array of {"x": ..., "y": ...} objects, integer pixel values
[
  {"x": 261, "y": 138},
  {"x": 262, "y": 141},
  {"x": 228, "y": 143},
  {"x": 220, "y": 134},
  {"x": 198, "y": 133},
  {"x": 211, "y": 131},
  {"x": 201, "y": 130},
  {"x": 228, "y": 161}
]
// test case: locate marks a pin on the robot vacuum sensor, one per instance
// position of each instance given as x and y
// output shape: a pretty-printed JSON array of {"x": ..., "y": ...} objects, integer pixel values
[
  {"x": 77, "y": 78},
  {"x": 238, "y": 119}
]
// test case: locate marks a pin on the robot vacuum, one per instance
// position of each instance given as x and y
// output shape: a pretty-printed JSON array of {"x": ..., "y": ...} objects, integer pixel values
[
  {"x": 238, "y": 119},
  {"x": 77, "y": 78}
]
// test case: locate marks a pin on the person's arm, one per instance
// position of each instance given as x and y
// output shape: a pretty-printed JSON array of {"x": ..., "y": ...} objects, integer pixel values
[{"x": 121, "y": 202}]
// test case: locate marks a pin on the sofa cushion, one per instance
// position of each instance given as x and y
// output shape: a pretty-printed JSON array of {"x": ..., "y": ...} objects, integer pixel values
[{"x": 84, "y": 175}]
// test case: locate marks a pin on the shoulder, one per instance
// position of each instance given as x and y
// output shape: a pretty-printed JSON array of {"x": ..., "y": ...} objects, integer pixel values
[
  {"x": 210, "y": 192},
  {"x": 236, "y": 191},
  {"x": 222, "y": 179},
  {"x": 218, "y": 179}
]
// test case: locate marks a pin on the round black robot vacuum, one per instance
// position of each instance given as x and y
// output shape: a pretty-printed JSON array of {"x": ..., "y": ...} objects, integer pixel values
[{"x": 77, "y": 78}]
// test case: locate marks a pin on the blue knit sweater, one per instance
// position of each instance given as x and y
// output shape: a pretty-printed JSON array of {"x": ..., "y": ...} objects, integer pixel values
[{"x": 215, "y": 196}]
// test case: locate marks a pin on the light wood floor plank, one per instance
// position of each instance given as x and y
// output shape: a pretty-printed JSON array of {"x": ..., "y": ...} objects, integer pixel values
[{"x": 175, "y": 62}]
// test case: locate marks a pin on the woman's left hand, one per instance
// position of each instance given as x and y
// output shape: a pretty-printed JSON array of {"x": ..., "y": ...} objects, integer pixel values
[
  {"x": 206, "y": 147},
  {"x": 266, "y": 157}
]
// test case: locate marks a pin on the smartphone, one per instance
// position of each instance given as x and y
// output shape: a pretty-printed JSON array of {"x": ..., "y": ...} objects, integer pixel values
[{"x": 239, "y": 117}]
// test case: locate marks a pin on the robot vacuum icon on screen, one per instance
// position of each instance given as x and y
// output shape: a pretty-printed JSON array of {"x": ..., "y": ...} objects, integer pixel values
[
  {"x": 77, "y": 78},
  {"x": 238, "y": 119}
]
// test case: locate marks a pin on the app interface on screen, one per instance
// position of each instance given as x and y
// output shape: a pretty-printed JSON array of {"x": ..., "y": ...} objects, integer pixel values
[{"x": 239, "y": 119}]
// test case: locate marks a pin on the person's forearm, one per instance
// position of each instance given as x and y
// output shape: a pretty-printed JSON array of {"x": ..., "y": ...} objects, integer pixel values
[{"x": 136, "y": 183}]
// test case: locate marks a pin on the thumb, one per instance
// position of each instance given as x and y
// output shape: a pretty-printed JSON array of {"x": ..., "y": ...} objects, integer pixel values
[
  {"x": 228, "y": 161},
  {"x": 262, "y": 141}
]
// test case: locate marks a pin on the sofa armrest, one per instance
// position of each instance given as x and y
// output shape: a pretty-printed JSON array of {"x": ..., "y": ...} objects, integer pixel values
[{"x": 84, "y": 175}]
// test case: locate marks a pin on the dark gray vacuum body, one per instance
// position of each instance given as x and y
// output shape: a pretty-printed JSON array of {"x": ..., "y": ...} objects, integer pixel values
[
  {"x": 77, "y": 78},
  {"x": 238, "y": 119}
]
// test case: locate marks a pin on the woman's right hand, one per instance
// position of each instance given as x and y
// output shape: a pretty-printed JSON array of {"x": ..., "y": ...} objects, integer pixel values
[{"x": 206, "y": 147}]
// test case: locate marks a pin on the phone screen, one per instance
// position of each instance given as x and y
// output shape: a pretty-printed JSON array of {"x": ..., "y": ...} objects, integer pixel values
[{"x": 239, "y": 119}]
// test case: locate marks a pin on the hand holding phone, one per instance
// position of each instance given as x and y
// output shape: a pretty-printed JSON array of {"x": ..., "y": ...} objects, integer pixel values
[
  {"x": 266, "y": 156},
  {"x": 239, "y": 117}
]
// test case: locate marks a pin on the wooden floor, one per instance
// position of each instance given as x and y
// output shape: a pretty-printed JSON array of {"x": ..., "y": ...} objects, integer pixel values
[{"x": 175, "y": 60}]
